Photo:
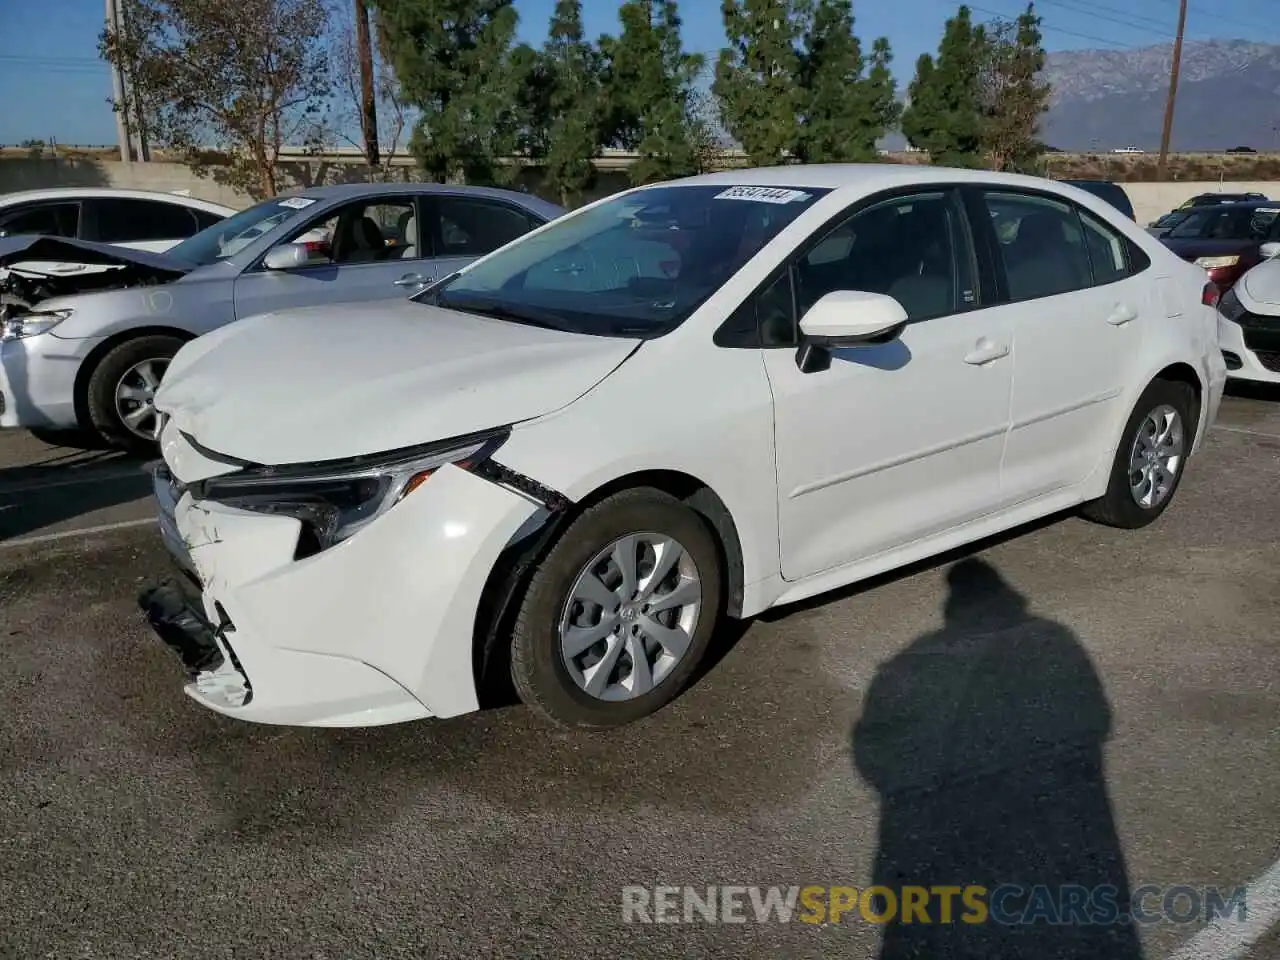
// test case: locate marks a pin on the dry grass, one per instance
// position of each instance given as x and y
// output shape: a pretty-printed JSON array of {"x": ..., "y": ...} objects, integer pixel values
[{"x": 1126, "y": 168}]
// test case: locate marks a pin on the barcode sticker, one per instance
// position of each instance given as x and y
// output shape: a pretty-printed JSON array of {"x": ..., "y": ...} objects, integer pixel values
[{"x": 763, "y": 194}]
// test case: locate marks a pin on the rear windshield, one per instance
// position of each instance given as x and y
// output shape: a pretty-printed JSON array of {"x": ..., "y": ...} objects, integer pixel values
[{"x": 1227, "y": 223}]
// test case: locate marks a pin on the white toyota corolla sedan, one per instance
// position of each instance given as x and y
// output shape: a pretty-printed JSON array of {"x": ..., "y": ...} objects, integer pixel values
[{"x": 571, "y": 461}]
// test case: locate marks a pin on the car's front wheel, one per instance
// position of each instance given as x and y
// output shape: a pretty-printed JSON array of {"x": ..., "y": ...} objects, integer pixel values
[
  {"x": 1148, "y": 464},
  {"x": 618, "y": 616},
  {"x": 122, "y": 389}
]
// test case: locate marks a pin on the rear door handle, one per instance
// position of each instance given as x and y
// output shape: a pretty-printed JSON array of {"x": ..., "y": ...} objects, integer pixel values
[
  {"x": 1122, "y": 314},
  {"x": 985, "y": 351},
  {"x": 412, "y": 280}
]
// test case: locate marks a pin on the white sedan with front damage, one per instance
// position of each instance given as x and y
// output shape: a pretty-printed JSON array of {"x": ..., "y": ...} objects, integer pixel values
[
  {"x": 1249, "y": 330},
  {"x": 569, "y": 462}
]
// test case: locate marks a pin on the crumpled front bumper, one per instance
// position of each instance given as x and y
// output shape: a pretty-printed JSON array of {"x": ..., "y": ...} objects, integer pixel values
[{"x": 377, "y": 629}]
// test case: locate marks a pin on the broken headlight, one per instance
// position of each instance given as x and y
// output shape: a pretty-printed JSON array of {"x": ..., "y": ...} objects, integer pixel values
[
  {"x": 21, "y": 325},
  {"x": 335, "y": 499}
]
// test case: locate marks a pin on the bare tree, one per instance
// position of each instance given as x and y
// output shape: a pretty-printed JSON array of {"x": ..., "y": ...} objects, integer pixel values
[
  {"x": 226, "y": 86},
  {"x": 347, "y": 120}
]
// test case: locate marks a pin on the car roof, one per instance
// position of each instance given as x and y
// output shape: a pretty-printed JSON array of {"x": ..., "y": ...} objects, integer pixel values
[
  {"x": 354, "y": 191},
  {"x": 112, "y": 193},
  {"x": 867, "y": 177},
  {"x": 1239, "y": 204}
]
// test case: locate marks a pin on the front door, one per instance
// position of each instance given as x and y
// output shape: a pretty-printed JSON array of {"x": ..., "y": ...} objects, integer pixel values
[
  {"x": 891, "y": 443},
  {"x": 366, "y": 250}
]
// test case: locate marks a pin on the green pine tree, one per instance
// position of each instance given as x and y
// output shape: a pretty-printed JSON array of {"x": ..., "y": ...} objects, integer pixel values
[
  {"x": 572, "y": 67},
  {"x": 757, "y": 76},
  {"x": 1015, "y": 94},
  {"x": 455, "y": 64},
  {"x": 844, "y": 108},
  {"x": 648, "y": 87},
  {"x": 944, "y": 116}
]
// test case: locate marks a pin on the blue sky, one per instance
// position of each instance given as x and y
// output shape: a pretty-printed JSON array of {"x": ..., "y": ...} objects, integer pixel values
[{"x": 53, "y": 85}]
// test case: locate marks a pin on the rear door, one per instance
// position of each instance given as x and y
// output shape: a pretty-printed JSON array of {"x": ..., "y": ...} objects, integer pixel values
[
  {"x": 465, "y": 227},
  {"x": 362, "y": 251},
  {"x": 1078, "y": 297}
]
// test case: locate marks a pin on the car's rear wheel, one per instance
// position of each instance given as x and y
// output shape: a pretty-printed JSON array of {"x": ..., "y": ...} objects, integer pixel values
[
  {"x": 122, "y": 389},
  {"x": 1149, "y": 461},
  {"x": 617, "y": 618}
]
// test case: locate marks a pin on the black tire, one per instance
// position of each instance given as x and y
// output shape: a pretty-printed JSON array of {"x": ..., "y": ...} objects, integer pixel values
[
  {"x": 101, "y": 399},
  {"x": 538, "y": 670},
  {"x": 1117, "y": 507}
]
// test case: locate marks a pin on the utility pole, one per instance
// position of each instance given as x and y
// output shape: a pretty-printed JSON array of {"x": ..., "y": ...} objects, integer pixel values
[
  {"x": 137, "y": 122},
  {"x": 1162, "y": 163},
  {"x": 368, "y": 103},
  {"x": 117, "y": 91}
]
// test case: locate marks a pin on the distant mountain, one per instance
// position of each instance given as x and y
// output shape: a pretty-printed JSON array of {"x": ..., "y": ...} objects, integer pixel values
[{"x": 1228, "y": 95}]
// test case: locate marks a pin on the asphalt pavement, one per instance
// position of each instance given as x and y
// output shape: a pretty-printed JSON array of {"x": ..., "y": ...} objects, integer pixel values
[{"x": 1072, "y": 703}]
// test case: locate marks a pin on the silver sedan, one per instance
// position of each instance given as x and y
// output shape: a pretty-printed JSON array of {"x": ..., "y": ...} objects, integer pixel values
[{"x": 88, "y": 352}]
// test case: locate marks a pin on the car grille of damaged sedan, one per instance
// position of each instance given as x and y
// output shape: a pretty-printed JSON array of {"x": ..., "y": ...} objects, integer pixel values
[{"x": 204, "y": 649}]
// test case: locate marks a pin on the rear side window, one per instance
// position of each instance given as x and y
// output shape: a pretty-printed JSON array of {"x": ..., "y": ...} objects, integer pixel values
[
  {"x": 1229, "y": 222},
  {"x": 1041, "y": 244},
  {"x": 1109, "y": 252},
  {"x": 206, "y": 219},
  {"x": 138, "y": 221},
  {"x": 469, "y": 227},
  {"x": 44, "y": 219}
]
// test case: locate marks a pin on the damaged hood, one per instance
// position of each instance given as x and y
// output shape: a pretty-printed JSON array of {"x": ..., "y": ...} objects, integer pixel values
[
  {"x": 22, "y": 249},
  {"x": 326, "y": 383}
]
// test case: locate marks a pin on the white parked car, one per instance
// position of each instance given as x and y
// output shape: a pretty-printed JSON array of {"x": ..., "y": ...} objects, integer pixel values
[
  {"x": 573, "y": 459},
  {"x": 1249, "y": 328},
  {"x": 140, "y": 219}
]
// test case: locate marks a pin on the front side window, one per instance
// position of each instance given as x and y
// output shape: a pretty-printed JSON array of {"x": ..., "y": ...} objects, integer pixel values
[
  {"x": 637, "y": 265},
  {"x": 367, "y": 231},
  {"x": 46, "y": 220},
  {"x": 911, "y": 248},
  {"x": 228, "y": 237},
  {"x": 1041, "y": 245}
]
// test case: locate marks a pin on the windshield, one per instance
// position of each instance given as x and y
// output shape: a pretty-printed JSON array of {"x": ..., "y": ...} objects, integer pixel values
[
  {"x": 634, "y": 266},
  {"x": 229, "y": 236},
  {"x": 1227, "y": 223}
]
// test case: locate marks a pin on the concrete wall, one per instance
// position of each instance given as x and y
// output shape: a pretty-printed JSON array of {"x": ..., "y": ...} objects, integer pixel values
[
  {"x": 1150, "y": 200},
  {"x": 32, "y": 174}
]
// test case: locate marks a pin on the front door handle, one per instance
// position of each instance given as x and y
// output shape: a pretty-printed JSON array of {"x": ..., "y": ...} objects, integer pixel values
[
  {"x": 412, "y": 280},
  {"x": 1122, "y": 314},
  {"x": 984, "y": 351}
]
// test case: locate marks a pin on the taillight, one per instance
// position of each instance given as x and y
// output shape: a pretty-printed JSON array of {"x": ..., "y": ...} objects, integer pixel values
[{"x": 1210, "y": 295}]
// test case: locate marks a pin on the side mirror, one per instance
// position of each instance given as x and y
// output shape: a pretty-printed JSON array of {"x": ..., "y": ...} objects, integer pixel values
[
  {"x": 1269, "y": 250},
  {"x": 847, "y": 318},
  {"x": 286, "y": 256}
]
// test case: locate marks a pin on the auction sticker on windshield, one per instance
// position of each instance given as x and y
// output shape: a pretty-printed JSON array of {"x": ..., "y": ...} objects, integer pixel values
[
  {"x": 763, "y": 194},
  {"x": 297, "y": 203}
]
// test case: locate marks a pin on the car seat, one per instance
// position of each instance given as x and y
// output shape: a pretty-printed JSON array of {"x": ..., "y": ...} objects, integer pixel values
[{"x": 360, "y": 241}]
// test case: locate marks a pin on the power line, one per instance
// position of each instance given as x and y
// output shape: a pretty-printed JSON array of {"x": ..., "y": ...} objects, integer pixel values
[
  {"x": 1099, "y": 12},
  {"x": 1050, "y": 28}
]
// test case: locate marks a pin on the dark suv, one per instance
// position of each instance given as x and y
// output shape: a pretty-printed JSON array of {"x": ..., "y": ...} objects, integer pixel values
[{"x": 1106, "y": 190}]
